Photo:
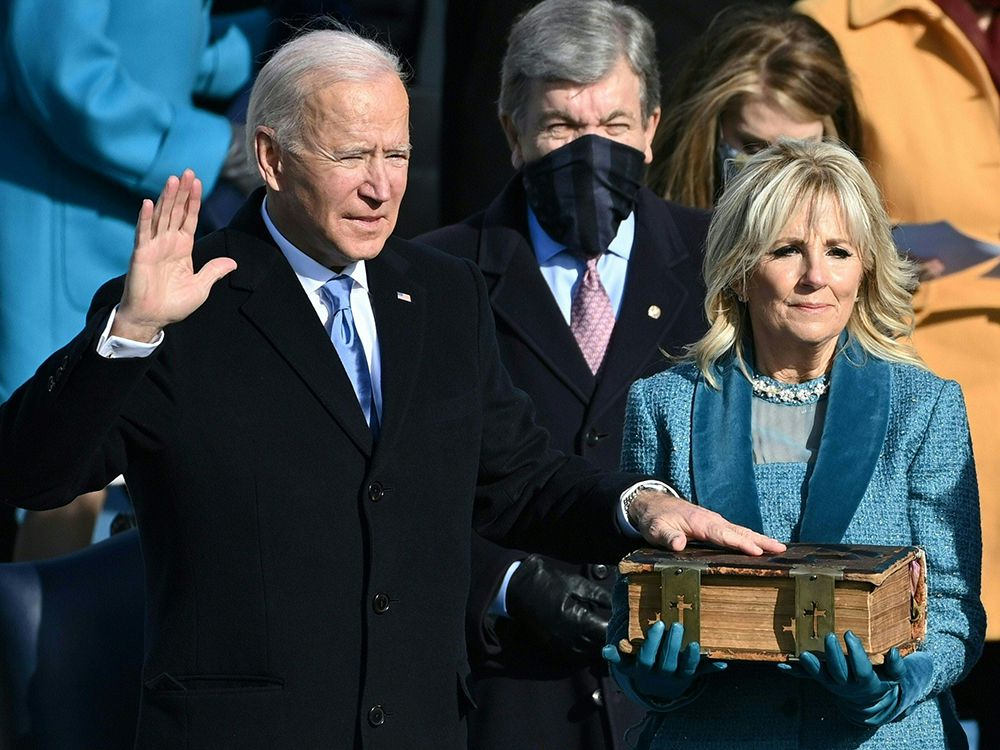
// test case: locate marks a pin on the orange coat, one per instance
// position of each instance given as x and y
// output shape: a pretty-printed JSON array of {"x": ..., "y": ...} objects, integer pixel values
[
  {"x": 931, "y": 118},
  {"x": 930, "y": 111},
  {"x": 958, "y": 335}
]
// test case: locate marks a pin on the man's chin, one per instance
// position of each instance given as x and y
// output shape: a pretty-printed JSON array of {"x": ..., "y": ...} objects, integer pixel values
[{"x": 362, "y": 247}]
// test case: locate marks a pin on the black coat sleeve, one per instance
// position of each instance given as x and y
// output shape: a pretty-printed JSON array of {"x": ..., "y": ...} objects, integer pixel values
[
  {"x": 62, "y": 432},
  {"x": 529, "y": 496}
]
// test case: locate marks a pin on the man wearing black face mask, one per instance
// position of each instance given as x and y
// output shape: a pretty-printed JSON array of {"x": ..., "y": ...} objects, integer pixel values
[{"x": 591, "y": 277}]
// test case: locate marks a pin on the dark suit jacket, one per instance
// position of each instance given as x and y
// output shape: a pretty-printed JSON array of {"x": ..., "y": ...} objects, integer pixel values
[
  {"x": 661, "y": 311},
  {"x": 306, "y": 589}
]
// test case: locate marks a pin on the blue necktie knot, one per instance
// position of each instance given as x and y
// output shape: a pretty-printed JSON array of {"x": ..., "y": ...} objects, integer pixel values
[
  {"x": 344, "y": 335},
  {"x": 337, "y": 292}
]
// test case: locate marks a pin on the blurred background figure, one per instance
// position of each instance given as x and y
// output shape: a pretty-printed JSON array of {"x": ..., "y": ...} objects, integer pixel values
[
  {"x": 98, "y": 106},
  {"x": 757, "y": 73},
  {"x": 473, "y": 166},
  {"x": 926, "y": 73},
  {"x": 592, "y": 278}
]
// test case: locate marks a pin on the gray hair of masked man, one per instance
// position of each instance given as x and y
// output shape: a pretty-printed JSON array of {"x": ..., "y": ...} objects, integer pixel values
[{"x": 580, "y": 42}]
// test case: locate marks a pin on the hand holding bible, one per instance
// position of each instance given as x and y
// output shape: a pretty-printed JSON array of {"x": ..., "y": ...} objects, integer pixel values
[
  {"x": 661, "y": 673},
  {"x": 865, "y": 694}
]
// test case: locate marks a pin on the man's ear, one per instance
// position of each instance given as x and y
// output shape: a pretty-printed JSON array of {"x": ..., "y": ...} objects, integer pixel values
[
  {"x": 650, "y": 130},
  {"x": 513, "y": 140},
  {"x": 268, "y": 153}
]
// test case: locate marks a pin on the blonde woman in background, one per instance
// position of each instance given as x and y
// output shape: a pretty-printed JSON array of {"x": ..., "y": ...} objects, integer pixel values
[{"x": 758, "y": 74}]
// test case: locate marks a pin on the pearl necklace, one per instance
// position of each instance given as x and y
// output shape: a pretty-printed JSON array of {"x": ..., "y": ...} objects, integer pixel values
[{"x": 777, "y": 392}]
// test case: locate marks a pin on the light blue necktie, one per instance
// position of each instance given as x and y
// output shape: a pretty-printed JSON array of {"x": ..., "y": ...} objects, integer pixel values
[{"x": 346, "y": 341}]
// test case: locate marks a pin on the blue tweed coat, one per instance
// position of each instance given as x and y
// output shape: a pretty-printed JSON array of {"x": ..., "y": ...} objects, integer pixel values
[{"x": 894, "y": 467}]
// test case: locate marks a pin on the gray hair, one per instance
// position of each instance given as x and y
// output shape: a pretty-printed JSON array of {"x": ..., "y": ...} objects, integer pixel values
[
  {"x": 577, "y": 41},
  {"x": 750, "y": 216},
  {"x": 308, "y": 63}
]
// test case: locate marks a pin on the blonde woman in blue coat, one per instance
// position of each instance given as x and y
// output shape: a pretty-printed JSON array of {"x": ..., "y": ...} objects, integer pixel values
[
  {"x": 805, "y": 413},
  {"x": 96, "y": 112}
]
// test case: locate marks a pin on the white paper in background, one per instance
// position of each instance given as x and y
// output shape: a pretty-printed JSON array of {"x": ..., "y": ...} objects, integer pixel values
[{"x": 942, "y": 241}]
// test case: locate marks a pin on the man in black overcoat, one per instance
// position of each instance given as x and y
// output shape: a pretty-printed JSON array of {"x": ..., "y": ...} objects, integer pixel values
[
  {"x": 573, "y": 69},
  {"x": 311, "y": 416}
]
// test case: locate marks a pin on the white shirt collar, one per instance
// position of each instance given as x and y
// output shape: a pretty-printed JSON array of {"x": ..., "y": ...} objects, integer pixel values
[
  {"x": 546, "y": 247},
  {"x": 311, "y": 273}
]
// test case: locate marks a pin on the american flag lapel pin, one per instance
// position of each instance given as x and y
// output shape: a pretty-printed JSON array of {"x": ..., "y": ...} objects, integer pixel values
[{"x": 404, "y": 297}]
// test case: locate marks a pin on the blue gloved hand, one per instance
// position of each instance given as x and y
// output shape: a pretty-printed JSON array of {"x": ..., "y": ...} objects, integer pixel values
[
  {"x": 865, "y": 694},
  {"x": 661, "y": 673}
]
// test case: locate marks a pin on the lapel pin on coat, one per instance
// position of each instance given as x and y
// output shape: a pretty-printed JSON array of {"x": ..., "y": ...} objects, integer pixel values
[
  {"x": 404, "y": 297},
  {"x": 654, "y": 312}
]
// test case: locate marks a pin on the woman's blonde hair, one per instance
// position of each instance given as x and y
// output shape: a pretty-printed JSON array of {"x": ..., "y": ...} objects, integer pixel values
[
  {"x": 748, "y": 51},
  {"x": 767, "y": 192}
]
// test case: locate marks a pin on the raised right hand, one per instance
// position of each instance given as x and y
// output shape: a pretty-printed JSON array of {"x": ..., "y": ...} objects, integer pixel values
[{"x": 161, "y": 286}]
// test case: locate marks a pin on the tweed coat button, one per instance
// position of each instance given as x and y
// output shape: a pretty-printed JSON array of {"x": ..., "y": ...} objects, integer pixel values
[
  {"x": 380, "y": 603},
  {"x": 376, "y": 716},
  {"x": 376, "y": 491},
  {"x": 599, "y": 571}
]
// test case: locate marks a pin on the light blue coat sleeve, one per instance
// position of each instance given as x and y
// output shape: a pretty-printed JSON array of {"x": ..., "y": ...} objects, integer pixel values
[
  {"x": 644, "y": 447},
  {"x": 69, "y": 79},
  {"x": 944, "y": 516},
  {"x": 227, "y": 62},
  {"x": 644, "y": 451}
]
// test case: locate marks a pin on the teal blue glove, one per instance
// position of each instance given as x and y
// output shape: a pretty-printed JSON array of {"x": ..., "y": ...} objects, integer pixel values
[
  {"x": 865, "y": 695},
  {"x": 661, "y": 676}
]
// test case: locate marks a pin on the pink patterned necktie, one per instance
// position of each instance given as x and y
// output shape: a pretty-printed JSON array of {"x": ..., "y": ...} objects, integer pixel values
[{"x": 591, "y": 318}]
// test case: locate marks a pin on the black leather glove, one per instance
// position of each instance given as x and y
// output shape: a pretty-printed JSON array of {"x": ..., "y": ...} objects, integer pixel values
[{"x": 567, "y": 613}]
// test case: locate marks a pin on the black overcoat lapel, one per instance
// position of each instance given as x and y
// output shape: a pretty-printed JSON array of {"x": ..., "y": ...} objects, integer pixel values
[
  {"x": 519, "y": 295},
  {"x": 400, "y": 306},
  {"x": 277, "y": 306}
]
